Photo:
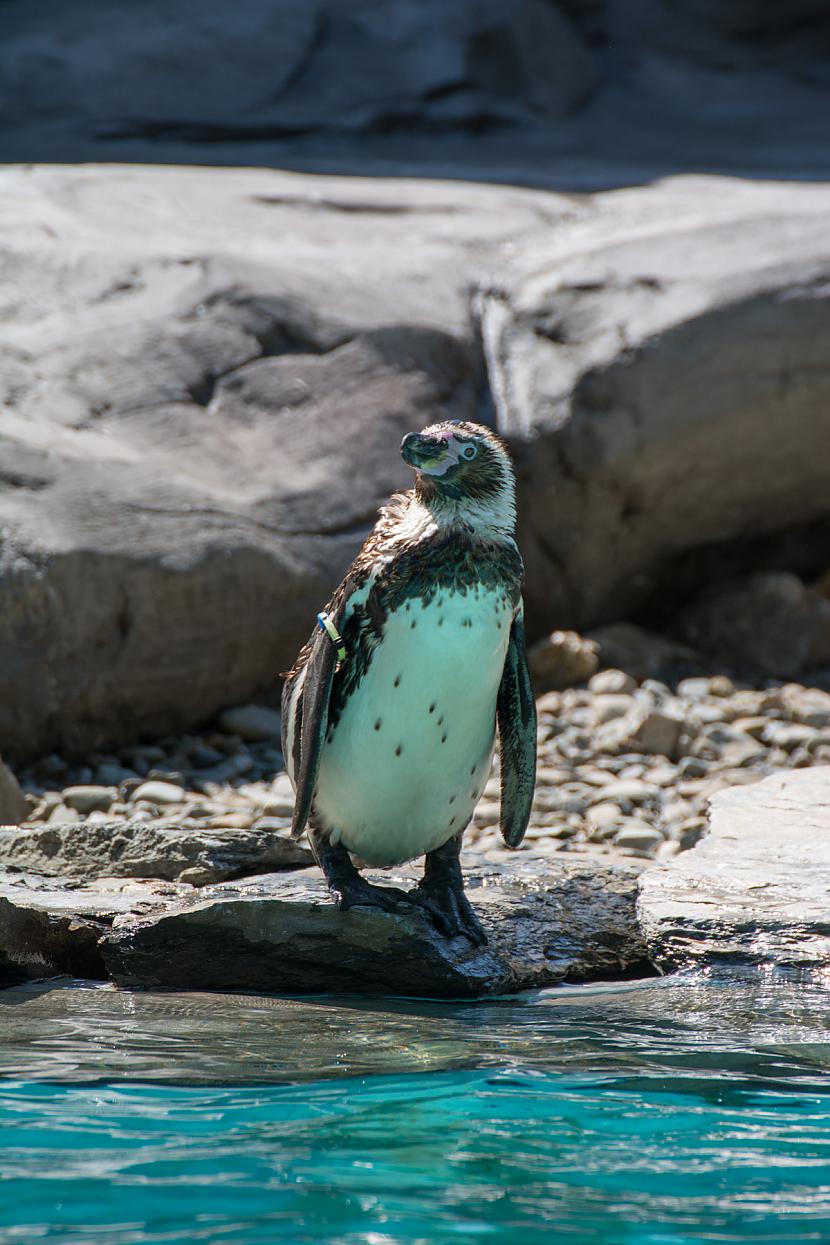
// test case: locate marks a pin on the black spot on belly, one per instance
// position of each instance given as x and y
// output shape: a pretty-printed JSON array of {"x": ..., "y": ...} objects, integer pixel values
[
  {"x": 432, "y": 707},
  {"x": 397, "y": 682},
  {"x": 440, "y": 622},
  {"x": 399, "y": 750},
  {"x": 441, "y": 721},
  {"x": 452, "y": 821},
  {"x": 377, "y": 724},
  {"x": 498, "y": 625},
  {"x": 472, "y": 771},
  {"x": 413, "y": 624},
  {"x": 444, "y": 738},
  {"x": 452, "y": 799}
]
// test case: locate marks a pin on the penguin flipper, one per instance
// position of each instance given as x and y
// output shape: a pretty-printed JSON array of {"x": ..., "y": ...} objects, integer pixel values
[
  {"x": 516, "y": 717},
  {"x": 314, "y": 718}
]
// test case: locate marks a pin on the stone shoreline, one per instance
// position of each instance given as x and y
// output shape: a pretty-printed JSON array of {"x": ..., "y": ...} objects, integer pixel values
[{"x": 182, "y": 874}]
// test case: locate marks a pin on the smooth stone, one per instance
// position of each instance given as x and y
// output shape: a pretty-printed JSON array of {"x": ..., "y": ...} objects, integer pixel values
[
  {"x": 786, "y": 735},
  {"x": 608, "y": 706},
  {"x": 642, "y": 730},
  {"x": 612, "y": 682},
  {"x": 251, "y": 722},
  {"x": 560, "y": 660},
  {"x": 280, "y": 801},
  {"x": 89, "y": 799},
  {"x": 159, "y": 792},
  {"x": 638, "y": 839},
  {"x": 754, "y": 890},
  {"x": 632, "y": 789},
  {"x": 61, "y": 815}
]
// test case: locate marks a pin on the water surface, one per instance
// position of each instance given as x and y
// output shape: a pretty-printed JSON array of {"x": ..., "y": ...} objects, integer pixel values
[{"x": 658, "y": 1113}]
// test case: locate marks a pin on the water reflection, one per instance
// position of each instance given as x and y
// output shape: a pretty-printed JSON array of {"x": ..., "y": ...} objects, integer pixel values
[{"x": 761, "y": 1026}]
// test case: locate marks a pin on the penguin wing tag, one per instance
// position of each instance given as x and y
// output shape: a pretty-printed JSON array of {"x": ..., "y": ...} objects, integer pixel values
[
  {"x": 316, "y": 694},
  {"x": 516, "y": 717}
]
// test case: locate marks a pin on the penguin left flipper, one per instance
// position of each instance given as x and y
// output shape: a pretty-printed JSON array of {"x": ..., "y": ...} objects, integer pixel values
[
  {"x": 516, "y": 718},
  {"x": 316, "y": 694}
]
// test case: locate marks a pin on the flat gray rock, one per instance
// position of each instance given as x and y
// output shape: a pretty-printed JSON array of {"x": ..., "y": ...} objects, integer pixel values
[
  {"x": 89, "y": 850},
  {"x": 756, "y": 890},
  {"x": 547, "y": 922}
]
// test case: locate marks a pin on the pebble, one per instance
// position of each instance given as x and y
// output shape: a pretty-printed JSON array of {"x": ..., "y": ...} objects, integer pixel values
[
  {"x": 638, "y": 839},
  {"x": 159, "y": 792},
  {"x": 90, "y": 799},
  {"x": 251, "y": 722},
  {"x": 62, "y": 814},
  {"x": 611, "y": 682},
  {"x": 615, "y": 760}
]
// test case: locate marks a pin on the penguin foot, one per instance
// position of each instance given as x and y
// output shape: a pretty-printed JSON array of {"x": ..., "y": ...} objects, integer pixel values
[
  {"x": 450, "y": 910},
  {"x": 356, "y": 892}
]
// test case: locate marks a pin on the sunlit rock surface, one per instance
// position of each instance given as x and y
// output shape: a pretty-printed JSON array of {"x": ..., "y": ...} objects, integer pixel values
[{"x": 756, "y": 889}]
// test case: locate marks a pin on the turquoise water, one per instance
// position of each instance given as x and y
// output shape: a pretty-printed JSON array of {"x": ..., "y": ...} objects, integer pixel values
[{"x": 659, "y": 1113}]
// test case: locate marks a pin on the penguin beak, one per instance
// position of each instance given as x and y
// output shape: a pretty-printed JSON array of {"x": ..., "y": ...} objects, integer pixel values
[{"x": 423, "y": 452}]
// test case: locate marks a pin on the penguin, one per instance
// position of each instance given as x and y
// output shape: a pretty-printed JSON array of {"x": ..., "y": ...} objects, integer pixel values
[{"x": 390, "y": 713}]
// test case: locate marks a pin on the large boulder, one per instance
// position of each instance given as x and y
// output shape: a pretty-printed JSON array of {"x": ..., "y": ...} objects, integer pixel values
[
  {"x": 663, "y": 380},
  {"x": 200, "y": 71},
  {"x": 754, "y": 891},
  {"x": 204, "y": 380}
]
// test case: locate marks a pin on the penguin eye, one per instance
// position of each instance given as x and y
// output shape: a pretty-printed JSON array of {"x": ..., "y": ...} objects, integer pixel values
[{"x": 469, "y": 451}]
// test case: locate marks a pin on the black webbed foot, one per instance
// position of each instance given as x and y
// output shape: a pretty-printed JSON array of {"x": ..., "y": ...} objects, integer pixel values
[
  {"x": 450, "y": 910},
  {"x": 356, "y": 892}
]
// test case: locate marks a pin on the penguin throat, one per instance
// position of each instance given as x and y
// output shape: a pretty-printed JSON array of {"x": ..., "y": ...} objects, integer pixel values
[{"x": 492, "y": 514}]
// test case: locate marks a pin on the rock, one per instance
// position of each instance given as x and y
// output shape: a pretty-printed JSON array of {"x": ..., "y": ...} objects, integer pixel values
[
  {"x": 642, "y": 653},
  {"x": 206, "y": 73},
  {"x": 108, "y": 775},
  {"x": 160, "y": 390},
  {"x": 48, "y": 929},
  {"x": 643, "y": 729},
  {"x": 88, "y": 799},
  {"x": 770, "y": 621},
  {"x": 159, "y": 792},
  {"x": 13, "y": 807},
  {"x": 808, "y": 705},
  {"x": 607, "y": 707},
  {"x": 61, "y": 815},
  {"x": 598, "y": 355},
  {"x": 147, "y": 849},
  {"x": 251, "y": 722},
  {"x": 754, "y": 890},
  {"x": 561, "y": 660},
  {"x": 638, "y": 838},
  {"x": 612, "y": 683},
  {"x": 280, "y": 801},
  {"x": 548, "y": 921}
]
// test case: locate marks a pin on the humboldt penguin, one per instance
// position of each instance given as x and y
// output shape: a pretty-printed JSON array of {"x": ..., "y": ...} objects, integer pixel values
[{"x": 390, "y": 712}]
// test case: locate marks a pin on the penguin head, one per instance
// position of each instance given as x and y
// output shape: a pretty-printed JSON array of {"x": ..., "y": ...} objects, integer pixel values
[{"x": 461, "y": 463}]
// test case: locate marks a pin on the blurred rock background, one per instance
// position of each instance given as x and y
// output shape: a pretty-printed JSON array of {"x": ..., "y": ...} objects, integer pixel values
[{"x": 245, "y": 249}]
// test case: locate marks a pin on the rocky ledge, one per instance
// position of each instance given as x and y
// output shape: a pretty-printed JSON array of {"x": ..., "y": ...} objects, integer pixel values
[
  {"x": 756, "y": 890},
  {"x": 279, "y": 933}
]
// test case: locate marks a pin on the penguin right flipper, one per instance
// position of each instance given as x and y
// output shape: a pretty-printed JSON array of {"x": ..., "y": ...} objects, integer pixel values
[
  {"x": 516, "y": 717},
  {"x": 313, "y": 715}
]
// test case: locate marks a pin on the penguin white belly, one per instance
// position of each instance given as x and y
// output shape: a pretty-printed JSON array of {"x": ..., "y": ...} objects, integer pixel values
[{"x": 405, "y": 766}]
